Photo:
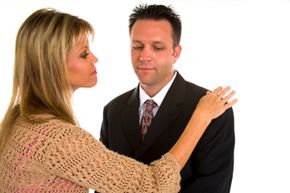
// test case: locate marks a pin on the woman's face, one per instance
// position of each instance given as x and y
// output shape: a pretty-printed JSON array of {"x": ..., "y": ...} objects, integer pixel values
[{"x": 81, "y": 69}]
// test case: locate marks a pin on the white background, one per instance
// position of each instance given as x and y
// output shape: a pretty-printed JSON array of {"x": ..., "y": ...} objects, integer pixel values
[{"x": 243, "y": 43}]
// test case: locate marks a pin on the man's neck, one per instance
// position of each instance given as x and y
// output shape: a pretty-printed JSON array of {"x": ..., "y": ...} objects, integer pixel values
[{"x": 155, "y": 89}]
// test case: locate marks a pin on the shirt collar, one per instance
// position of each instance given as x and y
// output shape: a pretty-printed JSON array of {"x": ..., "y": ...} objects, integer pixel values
[{"x": 158, "y": 98}]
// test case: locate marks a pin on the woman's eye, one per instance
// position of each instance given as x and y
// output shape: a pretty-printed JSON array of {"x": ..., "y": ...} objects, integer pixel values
[{"x": 84, "y": 54}]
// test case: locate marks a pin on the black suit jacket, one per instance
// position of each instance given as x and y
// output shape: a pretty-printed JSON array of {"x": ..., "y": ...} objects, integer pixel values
[{"x": 210, "y": 167}]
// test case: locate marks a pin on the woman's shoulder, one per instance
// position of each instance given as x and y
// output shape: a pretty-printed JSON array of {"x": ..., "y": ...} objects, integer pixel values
[
  {"x": 53, "y": 131},
  {"x": 46, "y": 120},
  {"x": 49, "y": 125}
]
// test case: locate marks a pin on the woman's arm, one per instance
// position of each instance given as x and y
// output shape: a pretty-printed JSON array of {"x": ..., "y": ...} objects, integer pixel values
[{"x": 75, "y": 155}]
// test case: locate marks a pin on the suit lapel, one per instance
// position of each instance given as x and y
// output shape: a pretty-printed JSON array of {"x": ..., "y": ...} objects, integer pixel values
[
  {"x": 130, "y": 120},
  {"x": 167, "y": 113}
]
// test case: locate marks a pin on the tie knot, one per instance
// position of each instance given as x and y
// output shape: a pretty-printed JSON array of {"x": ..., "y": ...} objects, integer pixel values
[{"x": 150, "y": 104}]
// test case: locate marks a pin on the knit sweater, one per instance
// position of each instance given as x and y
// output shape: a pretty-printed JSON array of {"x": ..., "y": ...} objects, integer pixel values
[{"x": 50, "y": 155}]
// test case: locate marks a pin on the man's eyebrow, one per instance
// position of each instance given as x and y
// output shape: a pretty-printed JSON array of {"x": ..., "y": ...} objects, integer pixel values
[{"x": 154, "y": 42}]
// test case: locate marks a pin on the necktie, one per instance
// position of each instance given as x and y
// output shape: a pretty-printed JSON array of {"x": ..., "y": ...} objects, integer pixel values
[{"x": 147, "y": 116}]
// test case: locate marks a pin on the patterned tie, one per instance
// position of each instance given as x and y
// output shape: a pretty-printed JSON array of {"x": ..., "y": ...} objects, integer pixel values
[{"x": 147, "y": 116}]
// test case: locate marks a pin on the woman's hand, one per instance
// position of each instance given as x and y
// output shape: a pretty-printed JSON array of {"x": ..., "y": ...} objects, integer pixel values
[{"x": 213, "y": 104}]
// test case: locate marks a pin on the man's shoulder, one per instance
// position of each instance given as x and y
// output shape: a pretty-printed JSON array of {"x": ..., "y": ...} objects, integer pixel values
[
  {"x": 194, "y": 89},
  {"x": 194, "y": 86},
  {"x": 122, "y": 98},
  {"x": 190, "y": 86}
]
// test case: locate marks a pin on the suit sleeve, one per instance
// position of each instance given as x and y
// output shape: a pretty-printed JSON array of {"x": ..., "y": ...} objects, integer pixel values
[
  {"x": 214, "y": 158},
  {"x": 104, "y": 129}
]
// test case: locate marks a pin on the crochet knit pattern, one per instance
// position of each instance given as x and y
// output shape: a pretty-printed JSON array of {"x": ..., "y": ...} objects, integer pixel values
[{"x": 44, "y": 154}]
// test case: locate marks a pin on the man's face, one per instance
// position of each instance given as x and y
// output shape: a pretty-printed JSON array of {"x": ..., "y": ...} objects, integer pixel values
[{"x": 152, "y": 53}]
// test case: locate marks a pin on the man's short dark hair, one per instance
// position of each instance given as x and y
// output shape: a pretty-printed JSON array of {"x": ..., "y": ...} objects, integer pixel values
[{"x": 157, "y": 12}]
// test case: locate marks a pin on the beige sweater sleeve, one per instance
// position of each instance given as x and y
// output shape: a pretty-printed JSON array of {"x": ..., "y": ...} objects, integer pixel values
[{"x": 76, "y": 155}]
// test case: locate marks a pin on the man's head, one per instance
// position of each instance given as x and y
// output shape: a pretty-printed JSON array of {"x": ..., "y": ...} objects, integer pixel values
[
  {"x": 158, "y": 12},
  {"x": 155, "y": 35}
]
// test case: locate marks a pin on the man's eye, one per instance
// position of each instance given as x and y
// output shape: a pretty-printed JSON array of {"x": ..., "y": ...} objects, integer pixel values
[
  {"x": 137, "y": 47},
  {"x": 158, "y": 48},
  {"x": 84, "y": 54}
]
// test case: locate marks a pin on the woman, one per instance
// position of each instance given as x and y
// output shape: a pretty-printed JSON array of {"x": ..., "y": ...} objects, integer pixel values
[{"x": 43, "y": 150}]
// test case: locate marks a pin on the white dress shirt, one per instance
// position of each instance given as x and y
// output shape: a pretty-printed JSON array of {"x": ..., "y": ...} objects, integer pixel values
[{"x": 158, "y": 98}]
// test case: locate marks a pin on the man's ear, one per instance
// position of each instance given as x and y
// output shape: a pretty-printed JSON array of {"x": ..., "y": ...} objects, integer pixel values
[{"x": 177, "y": 52}]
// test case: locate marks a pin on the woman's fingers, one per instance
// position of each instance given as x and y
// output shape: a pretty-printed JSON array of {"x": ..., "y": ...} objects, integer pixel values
[
  {"x": 224, "y": 91},
  {"x": 218, "y": 101},
  {"x": 225, "y": 95},
  {"x": 231, "y": 103},
  {"x": 217, "y": 90}
]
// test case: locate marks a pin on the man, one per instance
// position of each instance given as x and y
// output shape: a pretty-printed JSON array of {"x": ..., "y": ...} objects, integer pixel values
[{"x": 155, "y": 32}]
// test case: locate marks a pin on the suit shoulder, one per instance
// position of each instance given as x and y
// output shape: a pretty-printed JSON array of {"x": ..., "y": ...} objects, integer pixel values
[
  {"x": 194, "y": 88},
  {"x": 124, "y": 97},
  {"x": 191, "y": 87}
]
